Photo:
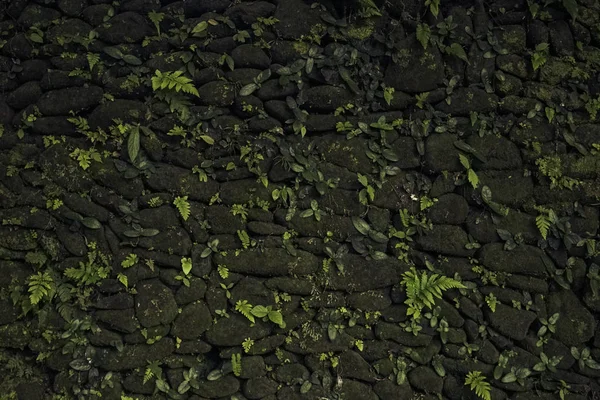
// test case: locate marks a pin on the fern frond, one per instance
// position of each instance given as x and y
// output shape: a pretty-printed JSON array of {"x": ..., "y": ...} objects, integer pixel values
[
  {"x": 40, "y": 285},
  {"x": 183, "y": 206},
  {"x": 174, "y": 80},
  {"x": 422, "y": 290},
  {"x": 245, "y": 308},
  {"x": 477, "y": 382},
  {"x": 543, "y": 224},
  {"x": 236, "y": 364}
]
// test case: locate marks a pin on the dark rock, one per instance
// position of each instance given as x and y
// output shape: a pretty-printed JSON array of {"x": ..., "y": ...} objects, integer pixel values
[
  {"x": 509, "y": 321},
  {"x": 296, "y": 18},
  {"x": 127, "y": 27},
  {"x": 245, "y": 14},
  {"x": 192, "y": 322},
  {"x": 24, "y": 95},
  {"x": 425, "y": 379},
  {"x": 120, "y": 320},
  {"x": 450, "y": 209},
  {"x": 417, "y": 70},
  {"x": 259, "y": 388},
  {"x": 466, "y": 100},
  {"x": 62, "y": 101},
  {"x": 512, "y": 38},
  {"x": 195, "y": 9},
  {"x": 537, "y": 33},
  {"x": 36, "y": 14},
  {"x": 561, "y": 39},
  {"x": 445, "y": 239},
  {"x": 217, "y": 93},
  {"x": 155, "y": 304},
  {"x": 327, "y": 98},
  {"x": 233, "y": 330},
  {"x": 576, "y": 325},
  {"x": 249, "y": 56},
  {"x": 526, "y": 260}
]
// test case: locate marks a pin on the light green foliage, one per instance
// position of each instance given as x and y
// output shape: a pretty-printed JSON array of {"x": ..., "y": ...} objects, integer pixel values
[
  {"x": 434, "y": 6},
  {"x": 245, "y": 239},
  {"x": 152, "y": 370},
  {"x": 545, "y": 220},
  {"x": 130, "y": 261},
  {"x": 491, "y": 301},
  {"x": 91, "y": 272},
  {"x": 85, "y": 157},
  {"x": 223, "y": 271},
  {"x": 471, "y": 175},
  {"x": 173, "y": 80},
  {"x": 247, "y": 344},
  {"x": 241, "y": 210},
  {"x": 93, "y": 59},
  {"x": 592, "y": 106},
  {"x": 41, "y": 285},
  {"x": 368, "y": 193},
  {"x": 236, "y": 364},
  {"x": 423, "y": 34},
  {"x": 156, "y": 19},
  {"x": 183, "y": 206},
  {"x": 551, "y": 166},
  {"x": 155, "y": 202},
  {"x": 477, "y": 382},
  {"x": 422, "y": 289},
  {"x": 266, "y": 313},
  {"x": 186, "y": 265},
  {"x": 540, "y": 55},
  {"x": 245, "y": 308}
]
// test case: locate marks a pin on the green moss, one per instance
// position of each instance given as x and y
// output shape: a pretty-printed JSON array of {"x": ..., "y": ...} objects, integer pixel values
[
  {"x": 585, "y": 166},
  {"x": 301, "y": 47},
  {"x": 360, "y": 32}
]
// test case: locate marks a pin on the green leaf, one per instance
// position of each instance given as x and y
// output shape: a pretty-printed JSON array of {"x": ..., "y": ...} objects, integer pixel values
[
  {"x": 186, "y": 265},
  {"x": 205, "y": 253},
  {"x": 131, "y": 59},
  {"x": 260, "y": 311},
  {"x": 208, "y": 139},
  {"x": 363, "y": 180},
  {"x": 361, "y": 225},
  {"x": 149, "y": 232},
  {"x": 305, "y": 388},
  {"x": 464, "y": 161},
  {"x": 423, "y": 34},
  {"x": 248, "y": 89},
  {"x": 572, "y": 8},
  {"x": 80, "y": 364},
  {"x": 114, "y": 52},
  {"x": 91, "y": 223},
  {"x": 456, "y": 49},
  {"x": 200, "y": 27},
  {"x": 276, "y": 317},
  {"x": 473, "y": 178},
  {"x": 133, "y": 144}
]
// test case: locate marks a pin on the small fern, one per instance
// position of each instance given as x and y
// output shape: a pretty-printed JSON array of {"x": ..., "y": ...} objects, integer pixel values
[
  {"x": 173, "y": 80},
  {"x": 479, "y": 385},
  {"x": 236, "y": 364},
  {"x": 245, "y": 308},
  {"x": 40, "y": 285},
  {"x": 421, "y": 289},
  {"x": 544, "y": 221},
  {"x": 471, "y": 175},
  {"x": 223, "y": 271},
  {"x": 152, "y": 370},
  {"x": 183, "y": 206},
  {"x": 244, "y": 238}
]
